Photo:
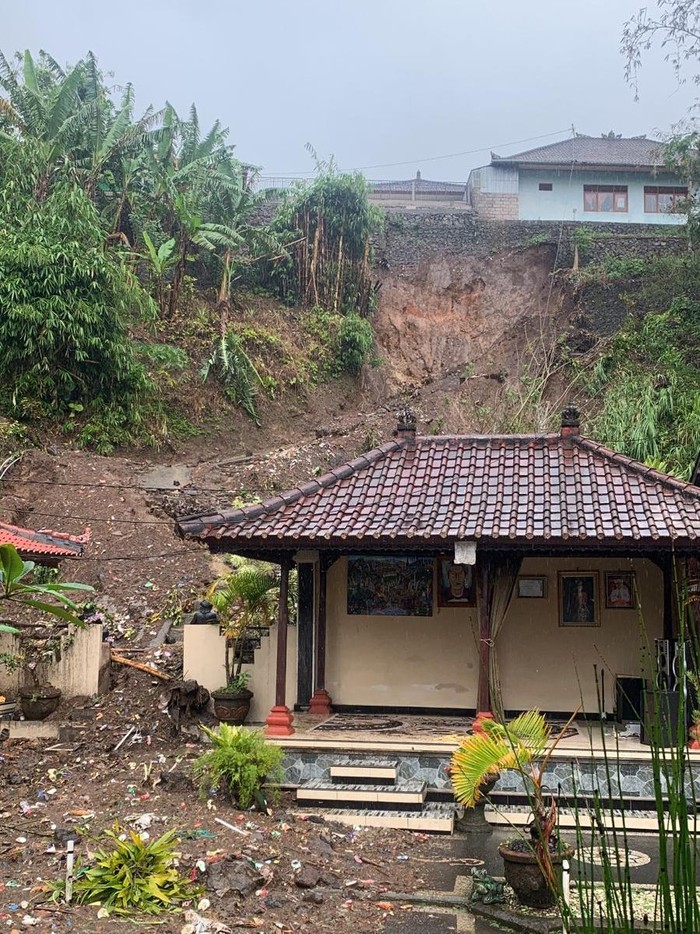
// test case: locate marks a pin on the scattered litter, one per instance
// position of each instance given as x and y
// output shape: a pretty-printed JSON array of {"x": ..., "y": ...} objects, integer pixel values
[
  {"x": 224, "y": 823},
  {"x": 196, "y": 924}
]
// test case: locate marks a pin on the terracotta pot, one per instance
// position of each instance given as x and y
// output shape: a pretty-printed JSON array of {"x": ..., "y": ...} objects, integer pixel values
[
  {"x": 524, "y": 875},
  {"x": 38, "y": 703},
  {"x": 232, "y": 708}
]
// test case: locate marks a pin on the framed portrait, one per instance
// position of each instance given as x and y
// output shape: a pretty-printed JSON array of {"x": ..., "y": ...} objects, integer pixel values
[
  {"x": 620, "y": 589},
  {"x": 532, "y": 587},
  {"x": 455, "y": 583},
  {"x": 578, "y": 598},
  {"x": 390, "y": 586}
]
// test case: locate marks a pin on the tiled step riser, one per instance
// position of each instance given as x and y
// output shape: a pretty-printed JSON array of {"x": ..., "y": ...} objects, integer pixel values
[
  {"x": 340, "y": 804},
  {"x": 409, "y": 793},
  {"x": 355, "y": 779},
  {"x": 364, "y": 773},
  {"x": 427, "y": 821}
]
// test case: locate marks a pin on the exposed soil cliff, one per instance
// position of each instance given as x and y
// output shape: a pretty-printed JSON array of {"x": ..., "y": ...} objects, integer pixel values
[{"x": 465, "y": 315}]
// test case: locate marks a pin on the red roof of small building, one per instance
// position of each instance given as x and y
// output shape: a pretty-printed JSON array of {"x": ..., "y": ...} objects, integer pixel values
[
  {"x": 44, "y": 543},
  {"x": 548, "y": 489}
]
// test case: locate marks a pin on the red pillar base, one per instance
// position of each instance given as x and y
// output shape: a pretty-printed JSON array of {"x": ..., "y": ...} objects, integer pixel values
[
  {"x": 478, "y": 720},
  {"x": 279, "y": 722},
  {"x": 321, "y": 702}
]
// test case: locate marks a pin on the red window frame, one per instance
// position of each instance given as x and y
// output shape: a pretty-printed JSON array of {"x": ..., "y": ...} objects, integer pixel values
[
  {"x": 598, "y": 195},
  {"x": 671, "y": 193}
]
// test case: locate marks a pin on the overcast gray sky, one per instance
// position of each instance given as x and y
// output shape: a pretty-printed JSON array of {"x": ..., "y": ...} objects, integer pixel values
[{"x": 370, "y": 81}]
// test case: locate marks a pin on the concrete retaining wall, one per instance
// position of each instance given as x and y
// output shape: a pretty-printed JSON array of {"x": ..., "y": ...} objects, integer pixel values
[{"x": 81, "y": 672}]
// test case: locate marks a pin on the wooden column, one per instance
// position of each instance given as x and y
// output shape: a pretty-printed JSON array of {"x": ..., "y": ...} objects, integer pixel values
[
  {"x": 483, "y": 695},
  {"x": 321, "y": 700},
  {"x": 279, "y": 720}
]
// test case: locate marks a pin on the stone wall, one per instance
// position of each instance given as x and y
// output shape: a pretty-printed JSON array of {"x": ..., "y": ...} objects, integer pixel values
[{"x": 409, "y": 238}]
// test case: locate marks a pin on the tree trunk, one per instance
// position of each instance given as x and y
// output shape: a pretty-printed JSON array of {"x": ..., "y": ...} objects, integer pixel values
[{"x": 179, "y": 277}]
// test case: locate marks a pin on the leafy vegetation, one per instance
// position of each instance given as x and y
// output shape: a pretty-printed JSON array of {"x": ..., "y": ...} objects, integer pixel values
[
  {"x": 65, "y": 302},
  {"x": 328, "y": 226},
  {"x": 132, "y": 875},
  {"x": 647, "y": 383},
  {"x": 239, "y": 763},
  {"x": 245, "y": 600}
]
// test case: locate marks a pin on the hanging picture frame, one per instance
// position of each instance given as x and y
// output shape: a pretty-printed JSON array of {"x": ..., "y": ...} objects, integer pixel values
[
  {"x": 455, "y": 583},
  {"x": 532, "y": 588},
  {"x": 620, "y": 590},
  {"x": 578, "y": 598},
  {"x": 389, "y": 586}
]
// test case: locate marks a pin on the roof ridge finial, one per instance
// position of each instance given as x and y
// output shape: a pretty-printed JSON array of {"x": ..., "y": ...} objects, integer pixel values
[
  {"x": 570, "y": 420},
  {"x": 406, "y": 421}
]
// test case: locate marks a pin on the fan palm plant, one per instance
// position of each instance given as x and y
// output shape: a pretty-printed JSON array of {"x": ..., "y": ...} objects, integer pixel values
[
  {"x": 244, "y": 600},
  {"x": 524, "y": 745}
]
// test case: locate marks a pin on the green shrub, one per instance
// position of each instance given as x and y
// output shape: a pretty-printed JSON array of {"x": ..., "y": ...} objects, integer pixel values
[
  {"x": 239, "y": 763},
  {"x": 236, "y": 372},
  {"x": 354, "y": 343},
  {"x": 131, "y": 875}
]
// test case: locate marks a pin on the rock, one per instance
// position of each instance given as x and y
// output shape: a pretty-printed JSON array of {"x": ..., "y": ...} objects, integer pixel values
[
  {"x": 63, "y": 834},
  {"x": 308, "y": 878},
  {"x": 275, "y": 901},
  {"x": 233, "y": 877},
  {"x": 314, "y": 898}
]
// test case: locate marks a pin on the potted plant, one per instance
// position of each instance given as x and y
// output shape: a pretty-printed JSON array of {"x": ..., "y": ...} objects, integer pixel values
[
  {"x": 694, "y": 730},
  {"x": 532, "y": 862},
  {"x": 245, "y": 600},
  {"x": 39, "y": 643}
]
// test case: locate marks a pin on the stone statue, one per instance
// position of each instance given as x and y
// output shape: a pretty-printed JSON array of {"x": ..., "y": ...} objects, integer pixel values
[{"x": 205, "y": 613}]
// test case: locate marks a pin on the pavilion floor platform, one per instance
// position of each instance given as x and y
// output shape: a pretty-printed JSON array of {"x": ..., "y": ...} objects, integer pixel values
[{"x": 591, "y": 758}]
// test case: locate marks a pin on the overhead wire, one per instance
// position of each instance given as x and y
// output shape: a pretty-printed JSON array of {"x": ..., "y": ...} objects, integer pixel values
[{"x": 452, "y": 155}]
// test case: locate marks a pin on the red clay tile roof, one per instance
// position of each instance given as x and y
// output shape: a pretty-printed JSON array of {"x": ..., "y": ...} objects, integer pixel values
[
  {"x": 538, "y": 489},
  {"x": 44, "y": 543}
]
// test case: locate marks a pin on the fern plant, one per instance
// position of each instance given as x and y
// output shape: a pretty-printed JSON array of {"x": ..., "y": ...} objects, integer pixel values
[
  {"x": 132, "y": 875},
  {"x": 239, "y": 763},
  {"x": 236, "y": 372}
]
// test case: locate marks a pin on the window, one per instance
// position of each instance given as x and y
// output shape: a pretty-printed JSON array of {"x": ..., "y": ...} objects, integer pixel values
[
  {"x": 659, "y": 200},
  {"x": 605, "y": 199},
  {"x": 545, "y": 186}
]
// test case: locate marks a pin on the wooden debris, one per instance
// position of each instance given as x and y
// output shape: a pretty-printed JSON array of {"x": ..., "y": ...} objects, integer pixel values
[{"x": 140, "y": 666}]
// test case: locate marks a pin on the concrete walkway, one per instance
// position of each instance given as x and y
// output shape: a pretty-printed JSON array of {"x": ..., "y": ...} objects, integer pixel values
[{"x": 446, "y": 870}]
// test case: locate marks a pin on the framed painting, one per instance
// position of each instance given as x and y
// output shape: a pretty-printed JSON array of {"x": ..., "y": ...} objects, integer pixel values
[
  {"x": 390, "y": 586},
  {"x": 578, "y": 598},
  {"x": 620, "y": 590},
  {"x": 532, "y": 587},
  {"x": 455, "y": 583}
]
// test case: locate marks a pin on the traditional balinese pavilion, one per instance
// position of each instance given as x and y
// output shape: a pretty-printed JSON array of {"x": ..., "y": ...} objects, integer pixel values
[{"x": 432, "y": 569}]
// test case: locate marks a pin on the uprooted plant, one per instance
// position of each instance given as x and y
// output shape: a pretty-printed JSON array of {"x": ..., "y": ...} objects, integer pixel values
[
  {"x": 130, "y": 874},
  {"x": 239, "y": 764}
]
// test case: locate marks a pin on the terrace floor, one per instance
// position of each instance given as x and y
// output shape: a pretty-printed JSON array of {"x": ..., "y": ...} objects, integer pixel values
[{"x": 400, "y": 732}]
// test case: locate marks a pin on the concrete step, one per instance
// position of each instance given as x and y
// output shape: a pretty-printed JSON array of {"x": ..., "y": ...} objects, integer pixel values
[
  {"x": 433, "y": 818},
  {"x": 403, "y": 793},
  {"x": 365, "y": 770}
]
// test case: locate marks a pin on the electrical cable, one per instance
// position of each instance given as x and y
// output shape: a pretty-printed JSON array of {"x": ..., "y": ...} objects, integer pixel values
[{"x": 452, "y": 155}]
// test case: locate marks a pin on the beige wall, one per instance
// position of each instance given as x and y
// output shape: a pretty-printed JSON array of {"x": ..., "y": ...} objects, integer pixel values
[
  {"x": 432, "y": 662},
  {"x": 543, "y": 664},
  {"x": 204, "y": 653},
  {"x": 78, "y": 672},
  {"x": 397, "y": 660}
]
